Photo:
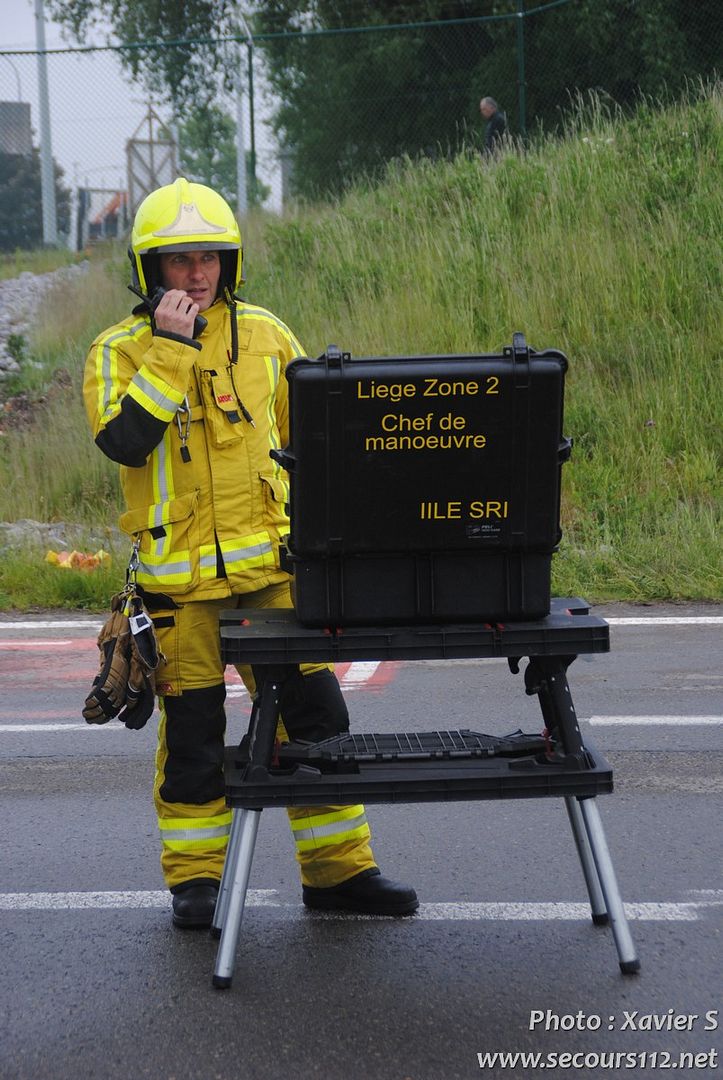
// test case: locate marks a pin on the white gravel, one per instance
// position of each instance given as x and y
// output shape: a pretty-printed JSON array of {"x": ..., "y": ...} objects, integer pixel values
[{"x": 20, "y": 298}]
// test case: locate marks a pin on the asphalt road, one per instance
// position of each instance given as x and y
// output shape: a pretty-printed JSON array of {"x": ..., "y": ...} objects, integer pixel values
[{"x": 100, "y": 985}]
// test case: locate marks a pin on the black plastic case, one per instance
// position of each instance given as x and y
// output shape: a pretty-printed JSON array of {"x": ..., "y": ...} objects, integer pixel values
[{"x": 424, "y": 488}]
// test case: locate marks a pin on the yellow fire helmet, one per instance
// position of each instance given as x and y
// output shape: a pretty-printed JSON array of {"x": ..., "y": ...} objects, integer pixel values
[{"x": 183, "y": 216}]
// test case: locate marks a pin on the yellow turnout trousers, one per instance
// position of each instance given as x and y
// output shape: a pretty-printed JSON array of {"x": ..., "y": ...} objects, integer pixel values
[{"x": 332, "y": 842}]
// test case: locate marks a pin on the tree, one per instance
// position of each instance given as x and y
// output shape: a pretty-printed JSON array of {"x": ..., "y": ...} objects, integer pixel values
[
  {"x": 350, "y": 102},
  {"x": 621, "y": 47},
  {"x": 21, "y": 210},
  {"x": 185, "y": 74},
  {"x": 208, "y": 154},
  {"x": 416, "y": 90}
]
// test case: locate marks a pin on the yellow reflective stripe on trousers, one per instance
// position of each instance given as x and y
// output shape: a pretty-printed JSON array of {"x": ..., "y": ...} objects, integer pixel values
[
  {"x": 247, "y": 552},
  {"x": 154, "y": 394},
  {"x": 321, "y": 830},
  {"x": 189, "y": 834}
]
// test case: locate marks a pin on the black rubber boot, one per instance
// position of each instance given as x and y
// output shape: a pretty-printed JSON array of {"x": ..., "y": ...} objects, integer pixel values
[
  {"x": 367, "y": 893},
  {"x": 194, "y": 903}
]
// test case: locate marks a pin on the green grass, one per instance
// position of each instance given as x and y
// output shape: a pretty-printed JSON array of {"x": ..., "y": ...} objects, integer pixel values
[
  {"x": 605, "y": 244},
  {"x": 37, "y": 262},
  {"x": 27, "y": 582}
]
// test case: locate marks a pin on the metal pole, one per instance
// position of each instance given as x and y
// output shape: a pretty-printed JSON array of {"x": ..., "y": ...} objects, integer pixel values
[
  {"x": 151, "y": 156},
  {"x": 47, "y": 178},
  {"x": 521, "y": 104},
  {"x": 241, "y": 181},
  {"x": 252, "y": 125},
  {"x": 241, "y": 191}
]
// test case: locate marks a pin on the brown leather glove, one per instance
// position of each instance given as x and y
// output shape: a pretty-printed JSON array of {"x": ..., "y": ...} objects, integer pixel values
[
  {"x": 144, "y": 660},
  {"x": 129, "y": 657},
  {"x": 108, "y": 694}
]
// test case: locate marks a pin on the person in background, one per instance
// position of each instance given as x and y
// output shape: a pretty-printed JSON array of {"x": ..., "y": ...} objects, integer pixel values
[
  {"x": 495, "y": 127},
  {"x": 190, "y": 411}
]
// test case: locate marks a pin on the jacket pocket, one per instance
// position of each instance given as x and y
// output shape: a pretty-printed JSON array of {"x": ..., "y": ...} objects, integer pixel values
[
  {"x": 276, "y": 498},
  {"x": 168, "y": 534},
  {"x": 223, "y": 417}
]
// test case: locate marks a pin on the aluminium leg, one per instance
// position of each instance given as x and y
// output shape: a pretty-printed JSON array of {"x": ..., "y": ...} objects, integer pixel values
[
  {"x": 629, "y": 962},
  {"x": 582, "y": 843},
  {"x": 261, "y": 736},
  {"x": 239, "y": 873},
  {"x": 219, "y": 915}
]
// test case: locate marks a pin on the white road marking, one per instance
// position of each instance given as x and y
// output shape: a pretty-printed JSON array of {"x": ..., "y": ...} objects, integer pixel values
[
  {"x": 664, "y": 620},
  {"x": 653, "y": 721},
  {"x": 595, "y": 721},
  {"x": 562, "y": 911},
  {"x": 358, "y": 673},
  {"x": 12, "y": 729},
  {"x": 613, "y": 620},
  {"x": 76, "y": 901},
  {"x": 355, "y": 677},
  {"x": 43, "y": 643},
  {"x": 54, "y": 624}
]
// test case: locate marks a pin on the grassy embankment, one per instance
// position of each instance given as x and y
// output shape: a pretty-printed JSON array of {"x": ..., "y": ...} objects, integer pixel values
[
  {"x": 37, "y": 262},
  {"x": 605, "y": 244}
]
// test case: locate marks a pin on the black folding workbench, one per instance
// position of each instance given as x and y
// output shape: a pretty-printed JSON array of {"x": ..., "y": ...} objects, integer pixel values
[{"x": 425, "y": 766}]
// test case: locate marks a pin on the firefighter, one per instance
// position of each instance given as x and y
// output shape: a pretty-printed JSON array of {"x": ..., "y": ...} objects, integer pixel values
[{"x": 190, "y": 410}]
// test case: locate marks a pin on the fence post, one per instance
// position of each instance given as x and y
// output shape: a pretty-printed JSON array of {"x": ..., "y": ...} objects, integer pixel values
[
  {"x": 241, "y": 185},
  {"x": 521, "y": 103},
  {"x": 252, "y": 126},
  {"x": 47, "y": 177}
]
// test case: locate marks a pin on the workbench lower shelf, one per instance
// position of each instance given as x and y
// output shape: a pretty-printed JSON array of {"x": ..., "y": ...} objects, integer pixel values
[
  {"x": 394, "y": 781},
  {"x": 409, "y": 767}
]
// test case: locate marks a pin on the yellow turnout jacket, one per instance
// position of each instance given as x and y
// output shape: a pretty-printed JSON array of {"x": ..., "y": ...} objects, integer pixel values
[{"x": 204, "y": 498}]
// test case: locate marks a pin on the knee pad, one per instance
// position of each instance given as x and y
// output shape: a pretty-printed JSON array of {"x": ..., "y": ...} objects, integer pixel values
[{"x": 312, "y": 706}]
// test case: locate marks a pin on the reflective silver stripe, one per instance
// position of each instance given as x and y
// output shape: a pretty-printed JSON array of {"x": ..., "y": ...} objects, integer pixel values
[
  {"x": 272, "y": 368},
  {"x": 195, "y": 834},
  {"x": 183, "y": 566},
  {"x": 208, "y": 561},
  {"x": 240, "y": 554},
  {"x": 331, "y": 829},
  {"x": 110, "y": 397},
  {"x": 165, "y": 495},
  {"x": 160, "y": 547},
  {"x": 167, "y": 403}
]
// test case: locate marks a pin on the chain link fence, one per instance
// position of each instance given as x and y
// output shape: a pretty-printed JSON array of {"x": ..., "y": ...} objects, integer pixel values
[{"x": 308, "y": 113}]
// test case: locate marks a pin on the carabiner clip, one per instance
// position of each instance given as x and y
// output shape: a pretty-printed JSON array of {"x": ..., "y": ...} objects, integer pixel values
[
  {"x": 184, "y": 427},
  {"x": 132, "y": 569}
]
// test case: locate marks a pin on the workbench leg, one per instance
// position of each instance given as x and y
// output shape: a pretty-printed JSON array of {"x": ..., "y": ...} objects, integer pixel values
[
  {"x": 597, "y": 900},
  {"x": 627, "y": 956},
  {"x": 238, "y": 884},
  {"x": 219, "y": 915}
]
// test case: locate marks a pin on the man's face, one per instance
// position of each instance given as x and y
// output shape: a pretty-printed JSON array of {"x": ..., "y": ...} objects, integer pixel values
[
  {"x": 486, "y": 110},
  {"x": 195, "y": 272}
]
